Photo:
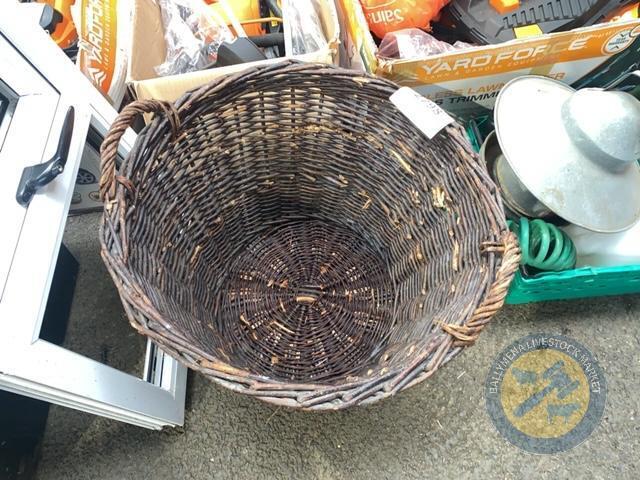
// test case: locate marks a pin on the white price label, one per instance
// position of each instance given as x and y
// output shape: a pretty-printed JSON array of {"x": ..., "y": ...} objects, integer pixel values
[
  {"x": 405, "y": 47},
  {"x": 422, "y": 112}
]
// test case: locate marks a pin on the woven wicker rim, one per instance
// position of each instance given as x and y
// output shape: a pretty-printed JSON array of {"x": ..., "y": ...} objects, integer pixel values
[{"x": 168, "y": 125}]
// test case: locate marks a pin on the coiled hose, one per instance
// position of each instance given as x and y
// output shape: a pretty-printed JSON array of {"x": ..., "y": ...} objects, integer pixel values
[{"x": 544, "y": 246}]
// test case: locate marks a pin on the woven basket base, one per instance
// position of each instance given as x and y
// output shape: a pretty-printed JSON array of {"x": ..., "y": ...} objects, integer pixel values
[{"x": 307, "y": 301}]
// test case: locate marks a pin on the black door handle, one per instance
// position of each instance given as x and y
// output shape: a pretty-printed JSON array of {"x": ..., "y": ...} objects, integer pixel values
[{"x": 37, "y": 176}]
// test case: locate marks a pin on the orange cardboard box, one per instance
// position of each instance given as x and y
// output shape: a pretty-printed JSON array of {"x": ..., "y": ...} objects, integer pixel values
[{"x": 467, "y": 82}]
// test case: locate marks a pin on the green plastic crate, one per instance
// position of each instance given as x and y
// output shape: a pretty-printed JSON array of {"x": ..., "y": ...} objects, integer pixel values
[{"x": 578, "y": 283}]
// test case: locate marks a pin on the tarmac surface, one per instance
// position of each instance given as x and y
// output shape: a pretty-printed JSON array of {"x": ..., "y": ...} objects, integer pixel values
[{"x": 438, "y": 429}]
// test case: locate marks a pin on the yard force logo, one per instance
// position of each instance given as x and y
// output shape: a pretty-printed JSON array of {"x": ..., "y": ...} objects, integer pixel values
[
  {"x": 619, "y": 41},
  {"x": 545, "y": 393}
]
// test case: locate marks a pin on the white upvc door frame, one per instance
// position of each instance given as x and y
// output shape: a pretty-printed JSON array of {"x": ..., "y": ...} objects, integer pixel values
[{"x": 28, "y": 365}]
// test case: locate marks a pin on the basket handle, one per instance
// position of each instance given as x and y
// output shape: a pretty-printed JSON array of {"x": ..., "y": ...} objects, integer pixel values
[
  {"x": 468, "y": 333},
  {"x": 109, "y": 147}
]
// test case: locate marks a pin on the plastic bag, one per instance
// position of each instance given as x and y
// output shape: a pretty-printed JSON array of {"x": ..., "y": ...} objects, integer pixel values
[
  {"x": 412, "y": 43},
  {"x": 302, "y": 27},
  {"x": 192, "y": 33},
  {"x": 386, "y": 16}
]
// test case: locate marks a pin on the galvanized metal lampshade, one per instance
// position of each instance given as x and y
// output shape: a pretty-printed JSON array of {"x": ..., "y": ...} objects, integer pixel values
[{"x": 567, "y": 152}]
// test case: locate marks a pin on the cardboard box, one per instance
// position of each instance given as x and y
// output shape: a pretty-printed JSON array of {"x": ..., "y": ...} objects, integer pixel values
[
  {"x": 357, "y": 48},
  {"x": 467, "y": 83},
  {"x": 148, "y": 50}
]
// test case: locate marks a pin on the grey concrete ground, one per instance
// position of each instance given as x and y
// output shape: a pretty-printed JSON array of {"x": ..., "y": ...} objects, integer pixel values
[{"x": 438, "y": 429}]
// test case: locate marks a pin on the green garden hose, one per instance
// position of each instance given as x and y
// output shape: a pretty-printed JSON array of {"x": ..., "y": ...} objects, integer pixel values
[{"x": 544, "y": 246}]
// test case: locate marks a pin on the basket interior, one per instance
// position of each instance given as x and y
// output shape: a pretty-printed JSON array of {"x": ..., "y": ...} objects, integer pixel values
[{"x": 302, "y": 229}]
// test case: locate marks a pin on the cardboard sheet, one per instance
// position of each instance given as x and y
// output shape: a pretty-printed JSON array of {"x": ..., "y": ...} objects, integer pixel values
[{"x": 148, "y": 50}]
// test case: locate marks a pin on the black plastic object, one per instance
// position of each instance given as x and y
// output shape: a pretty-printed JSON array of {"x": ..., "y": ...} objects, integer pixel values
[
  {"x": 480, "y": 23},
  {"x": 270, "y": 8},
  {"x": 241, "y": 50},
  {"x": 629, "y": 83},
  {"x": 49, "y": 18},
  {"x": 274, "y": 7},
  {"x": 268, "y": 40},
  {"x": 37, "y": 176}
]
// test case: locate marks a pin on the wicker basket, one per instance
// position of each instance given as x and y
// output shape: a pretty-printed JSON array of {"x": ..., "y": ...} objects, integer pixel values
[{"x": 287, "y": 232}]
